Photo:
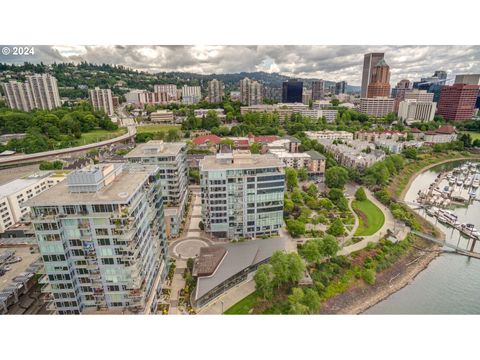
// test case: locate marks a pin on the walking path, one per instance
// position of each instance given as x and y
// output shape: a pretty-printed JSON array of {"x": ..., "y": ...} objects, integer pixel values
[
  {"x": 189, "y": 244},
  {"x": 229, "y": 298},
  {"x": 389, "y": 224},
  {"x": 178, "y": 283},
  {"x": 355, "y": 225}
]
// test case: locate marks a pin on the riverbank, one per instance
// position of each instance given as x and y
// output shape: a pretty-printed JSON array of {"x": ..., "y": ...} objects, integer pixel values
[{"x": 361, "y": 297}]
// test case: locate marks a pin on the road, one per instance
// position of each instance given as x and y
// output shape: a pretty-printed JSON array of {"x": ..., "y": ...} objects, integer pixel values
[{"x": 15, "y": 159}]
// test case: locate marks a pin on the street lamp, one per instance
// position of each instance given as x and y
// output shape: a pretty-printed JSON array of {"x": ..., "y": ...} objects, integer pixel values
[{"x": 221, "y": 302}]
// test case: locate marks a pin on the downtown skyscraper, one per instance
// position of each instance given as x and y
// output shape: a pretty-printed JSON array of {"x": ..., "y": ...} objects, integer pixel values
[{"x": 369, "y": 62}]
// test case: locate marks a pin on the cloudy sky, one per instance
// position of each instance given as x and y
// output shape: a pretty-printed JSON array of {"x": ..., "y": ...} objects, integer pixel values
[{"x": 327, "y": 62}]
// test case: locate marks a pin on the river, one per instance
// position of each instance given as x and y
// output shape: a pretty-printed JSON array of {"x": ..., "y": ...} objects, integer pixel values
[{"x": 451, "y": 282}]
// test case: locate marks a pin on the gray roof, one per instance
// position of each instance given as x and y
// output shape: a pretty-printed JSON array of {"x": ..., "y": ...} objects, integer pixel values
[
  {"x": 315, "y": 155},
  {"x": 292, "y": 138},
  {"x": 238, "y": 257},
  {"x": 154, "y": 148}
]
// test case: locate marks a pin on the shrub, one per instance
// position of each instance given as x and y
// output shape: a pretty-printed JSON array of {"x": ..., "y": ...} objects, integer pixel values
[
  {"x": 368, "y": 276},
  {"x": 360, "y": 194}
]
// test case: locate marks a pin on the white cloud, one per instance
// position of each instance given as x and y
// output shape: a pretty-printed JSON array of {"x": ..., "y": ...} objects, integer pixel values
[{"x": 328, "y": 62}]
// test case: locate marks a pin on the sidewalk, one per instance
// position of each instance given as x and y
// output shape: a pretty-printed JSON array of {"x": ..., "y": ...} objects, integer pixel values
[
  {"x": 389, "y": 224},
  {"x": 231, "y": 297}
]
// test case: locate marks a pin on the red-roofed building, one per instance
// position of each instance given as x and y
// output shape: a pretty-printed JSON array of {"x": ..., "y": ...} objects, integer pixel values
[
  {"x": 263, "y": 139},
  {"x": 417, "y": 134},
  {"x": 444, "y": 134},
  {"x": 241, "y": 144},
  {"x": 204, "y": 139}
]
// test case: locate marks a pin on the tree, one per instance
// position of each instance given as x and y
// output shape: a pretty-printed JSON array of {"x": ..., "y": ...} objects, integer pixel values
[
  {"x": 302, "y": 174},
  {"x": 312, "y": 190},
  {"x": 410, "y": 153},
  {"x": 335, "y": 102},
  {"x": 303, "y": 302},
  {"x": 288, "y": 206},
  {"x": 310, "y": 251},
  {"x": 360, "y": 194},
  {"x": 336, "y": 228},
  {"x": 311, "y": 299},
  {"x": 255, "y": 148},
  {"x": 173, "y": 135},
  {"x": 291, "y": 177},
  {"x": 328, "y": 246},
  {"x": 263, "y": 281},
  {"x": 336, "y": 177},
  {"x": 286, "y": 268},
  {"x": 295, "y": 302},
  {"x": 297, "y": 197},
  {"x": 466, "y": 139},
  {"x": 295, "y": 227}
]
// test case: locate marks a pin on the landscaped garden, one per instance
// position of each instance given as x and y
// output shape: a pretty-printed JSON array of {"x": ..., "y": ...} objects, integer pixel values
[
  {"x": 309, "y": 213},
  {"x": 278, "y": 289},
  {"x": 371, "y": 218}
]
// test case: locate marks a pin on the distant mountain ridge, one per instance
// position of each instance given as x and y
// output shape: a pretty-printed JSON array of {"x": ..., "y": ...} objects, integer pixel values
[{"x": 106, "y": 75}]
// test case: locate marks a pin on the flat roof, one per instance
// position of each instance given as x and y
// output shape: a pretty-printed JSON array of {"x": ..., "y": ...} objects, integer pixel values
[
  {"x": 238, "y": 257},
  {"x": 315, "y": 155},
  {"x": 162, "y": 148},
  {"x": 19, "y": 184},
  {"x": 237, "y": 160},
  {"x": 119, "y": 191}
]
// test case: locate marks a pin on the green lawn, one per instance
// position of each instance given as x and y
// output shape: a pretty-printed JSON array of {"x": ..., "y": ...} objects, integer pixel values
[
  {"x": 99, "y": 135},
  {"x": 475, "y": 135},
  {"x": 371, "y": 218},
  {"x": 156, "y": 128},
  {"x": 243, "y": 306}
]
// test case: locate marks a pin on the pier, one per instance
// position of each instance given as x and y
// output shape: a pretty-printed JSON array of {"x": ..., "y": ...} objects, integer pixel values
[
  {"x": 469, "y": 253},
  {"x": 458, "y": 186}
]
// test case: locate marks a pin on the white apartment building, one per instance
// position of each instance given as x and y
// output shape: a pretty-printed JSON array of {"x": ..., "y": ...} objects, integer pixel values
[
  {"x": 329, "y": 114},
  {"x": 39, "y": 91},
  {"x": 412, "y": 110},
  {"x": 142, "y": 97},
  {"x": 295, "y": 107},
  {"x": 171, "y": 158},
  {"x": 162, "y": 116},
  {"x": 169, "y": 89},
  {"x": 377, "y": 106},
  {"x": 191, "y": 94},
  {"x": 322, "y": 104},
  {"x": 199, "y": 113},
  {"x": 352, "y": 153},
  {"x": 419, "y": 95},
  {"x": 312, "y": 161},
  {"x": 14, "y": 193},
  {"x": 242, "y": 194},
  {"x": 101, "y": 99},
  {"x": 101, "y": 237},
  {"x": 215, "y": 91},
  {"x": 329, "y": 135}
]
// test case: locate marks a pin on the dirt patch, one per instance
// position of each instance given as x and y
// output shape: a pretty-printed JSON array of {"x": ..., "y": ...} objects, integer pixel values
[{"x": 363, "y": 217}]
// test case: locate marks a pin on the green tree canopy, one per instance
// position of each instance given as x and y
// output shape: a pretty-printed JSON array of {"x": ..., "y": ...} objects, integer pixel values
[{"x": 336, "y": 177}]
